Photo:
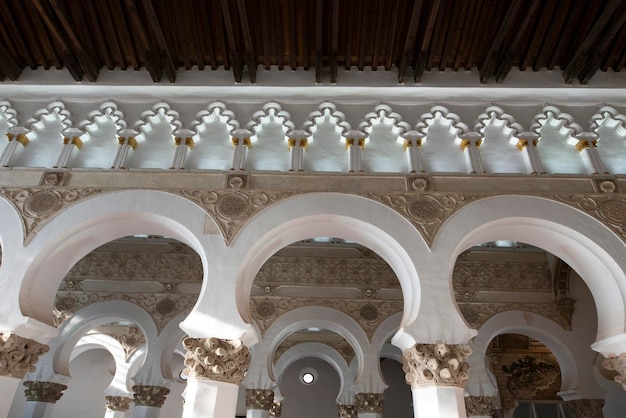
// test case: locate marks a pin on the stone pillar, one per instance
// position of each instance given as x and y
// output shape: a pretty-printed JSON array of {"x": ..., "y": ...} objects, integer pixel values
[
  {"x": 40, "y": 397},
  {"x": 480, "y": 406},
  {"x": 215, "y": 368},
  {"x": 149, "y": 400},
  {"x": 347, "y": 411},
  {"x": 369, "y": 405},
  {"x": 259, "y": 402},
  {"x": 470, "y": 145},
  {"x": 437, "y": 374},
  {"x": 117, "y": 406},
  {"x": 18, "y": 356}
]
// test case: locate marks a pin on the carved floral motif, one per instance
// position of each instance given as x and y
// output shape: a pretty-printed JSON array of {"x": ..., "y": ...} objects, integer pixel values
[
  {"x": 216, "y": 359},
  {"x": 608, "y": 208},
  {"x": 118, "y": 403},
  {"x": 259, "y": 399},
  {"x": 18, "y": 355},
  {"x": 36, "y": 205},
  {"x": 436, "y": 364},
  {"x": 347, "y": 411},
  {"x": 49, "y": 392},
  {"x": 617, "y": 363},
  {"x": 479, "y": 405},
  {"x": 232, "y": 208},
  {"x": 150, "y": 395},
  {"x": 373, "y": 403},
  {"x": 277, "y": 409}
]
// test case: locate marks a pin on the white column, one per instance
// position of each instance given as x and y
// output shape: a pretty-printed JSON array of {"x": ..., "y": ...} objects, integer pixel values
[
  {"x": 298, "y": 141},
  {"x": 116, "y": 406},
  {"x": 438, "y": 402},
  {"x": 35, "y": 409},
  {"x": 41, "y": 397},
  {"x": 586, "y": 145},
  {"x": 413, "y": 147},
  {"x": 215, "y": 368},
  {"x": 526, "y": 143},
  {"x": 16, "y": 135},
  {"x": 241, "y": 144},
  {"x": 71, "y": 139},
  {"x": 470, "y": 144},
  {"x": 183, "y": 138},
  {"x": 355, "y": 142},
  {"x": 143, "y": 411},
  {"x": 8, "y": 387},
  {"x": 127, "y": 141},
  {"x": 259, "y": 402},
  {"x": 149, "y": 400}
]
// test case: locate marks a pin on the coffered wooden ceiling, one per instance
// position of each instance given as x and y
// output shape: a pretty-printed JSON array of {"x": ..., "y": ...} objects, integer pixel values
[{"x": 401, "y": 39}]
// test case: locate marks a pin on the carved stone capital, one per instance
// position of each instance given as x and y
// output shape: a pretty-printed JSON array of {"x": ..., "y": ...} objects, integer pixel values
[
  {"x": 373, "y": 403},
  {"x": 49, "y": 392},
  {"x": 216, "y": 359},
  {"x": 259, "y": 399},
  {"x": 480, "y": 405},
  {"x": 277, "y": 409},
  {"x": 347, "y": 411},
  {"x": 617, "y": 363},
  {"x": 436, "y": 364},
  {"x": 118, "y": 403},
  {"x": 18, "y": 355},
  {"x": 150, "y": 395},
  {"x": 585, "y": 408}
]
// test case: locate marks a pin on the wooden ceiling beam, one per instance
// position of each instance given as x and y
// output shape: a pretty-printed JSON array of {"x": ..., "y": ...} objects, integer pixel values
[
  {"x": 8, "y": 66},
  {"x": 31, "y": 38},
  {"x": 349, "y": 34},
  {"x": 379, "y": 34},
  {"x": 206, "y": 38},
  {"x": 454, "y": 31},
  {"x": 83, "y": 53},
  {"x": 151, "y": 57},
  {"x": 319, "y": 40},
  {"x": 576, "y": 67},
  {"x": 495, "y": 54},
  {"x": 167, "y": 63},
  {"x": 392, "y": 36},
  {"x": 265, "y": 34},
  {"x": 409, "y": 43},
  {"x": 17, "y": 35},
  {"x": 247, "y": 41},
  {"x": 233, "y": 52},
  {"x": 421, "y": 59},
  {"x": 334, "y": 41},
  {"x": 94, "y": 22}
]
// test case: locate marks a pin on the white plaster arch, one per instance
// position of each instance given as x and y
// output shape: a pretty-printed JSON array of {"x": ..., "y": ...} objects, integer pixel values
[
  {"x": 92, "y": 316},
  {"x": 355, "y": 218},
  {"x": 322, "y": 352},
  {"x": 170, "y": 340},
  {"x": 316, "y": 316},
  {"x": 588, "y": 246},
  {"x": 120, "y": 383},
  {"x": 79, "y": 229},
  {"x": 526, "y": 323},
  {"x": 385, "y": 330}
]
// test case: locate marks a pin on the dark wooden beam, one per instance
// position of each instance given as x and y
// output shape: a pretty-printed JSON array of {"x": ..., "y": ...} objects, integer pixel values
[
  {"x": 17, "y": 35},
  {"x": 278, "y": 34},
  {"x": 233, "y": 52},
  {"x": 409, "y": 43},
  {"x": 348, "y": 30},
  {"x": 505, "y": 63},
  {"x": 391, "y": 41},
  {"x": 291, "y": 39},
  {"x": 319, "y": 40},
  {"x": 379, "y": 33},
  {"x": 494, "y": 56},
  {"x": 453, "y": 31},
  {"x": 94, "y": 22},
  {"x": 247, "y": 41},
  {"x": 580, "y": 59},
  {"x": 542, "y": 25},
  {"x": 151, "y": 57},
  {"x": 420, "y": 62},
  {"x": 167, "y": 63},
  {"x": 265, "y": 34},
  {"x": 83, "y": 53},
  {"x": 334, "y": 41},
  {"x": 551, "y": 38},
  {"x": 31, "y": 38},
  {"x": 8, "y": 66},
  {"x": 593, "y": 64},
  {"x": 304, "y": 23},
  {"x": 112, "y": 39}
]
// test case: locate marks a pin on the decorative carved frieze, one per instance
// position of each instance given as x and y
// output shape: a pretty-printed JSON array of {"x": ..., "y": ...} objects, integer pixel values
[
  {"x": 259, "y": 399},
  {"x": 150, "y": 395},
  {"x": 476, "y": 314},
  {"x": 617, "y": 363},
  {"x": 118, "y": 403},
  {"x": 18, "y": 355},
  {"x": 231, "y": 209},
  {"x": 36, "y": 205},
  {"x": 347, "y": 411},
  {"x": 436, "y": 364},
  {"x": 608, "y": 208},
  {"x": 216, "y": 359},
  {"x": 49, "y": 392},
  {"x": 426, "y": 211},
  {"x": 277, "y": 408},
  {"x": 585, "y": 408},
  {"x": 334, "y": 341},
  {"x": 372, "y": 403},
  {"x": 479, "y": 405},
  {"x": 503, "y": 275}
]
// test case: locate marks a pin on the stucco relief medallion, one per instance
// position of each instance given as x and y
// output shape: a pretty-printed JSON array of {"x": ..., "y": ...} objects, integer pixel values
[{"x": 233, "y": 206}]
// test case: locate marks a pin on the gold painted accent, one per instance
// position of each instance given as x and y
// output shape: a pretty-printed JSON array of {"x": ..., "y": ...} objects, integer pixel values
[
  {"x": 10, "y": 136},
  {"x": 408, "y": 143},
  {"x": 582, "y": 145},
  {"x": 246, "y": 142},
  {"x": 304, "y": 143},
  {"x": 75, "y": 141},
  {"x": 350, "y": 142},
  {"x": 188, "y": 141},
  {"x": 132, "y": 142},
  {"x": 466, "y": 143},
  {"x": 23, "y": 139},
  {"x": 177, "y": 140},
  {"x": 521, "y": 144}
]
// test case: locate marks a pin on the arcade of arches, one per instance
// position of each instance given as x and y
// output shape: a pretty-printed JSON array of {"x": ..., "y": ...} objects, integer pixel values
[{"x": 373, "y": 254}]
